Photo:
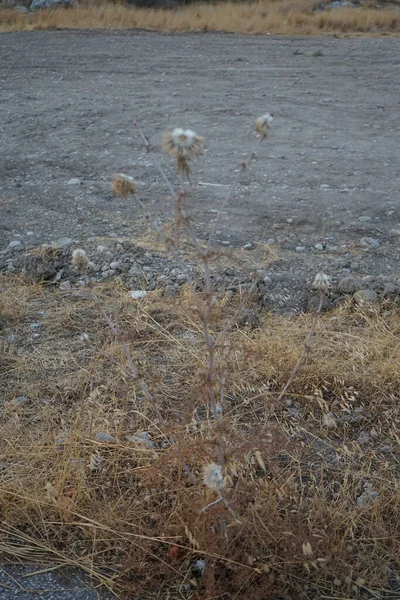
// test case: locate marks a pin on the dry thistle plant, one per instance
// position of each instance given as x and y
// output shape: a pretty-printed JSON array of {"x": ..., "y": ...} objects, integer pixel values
[
  {"x": 182, "y": 144},
  {"x": 123, "y": 185}
]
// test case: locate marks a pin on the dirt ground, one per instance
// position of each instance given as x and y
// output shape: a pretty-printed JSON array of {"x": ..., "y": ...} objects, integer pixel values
[{"x": 328, "y": 175}]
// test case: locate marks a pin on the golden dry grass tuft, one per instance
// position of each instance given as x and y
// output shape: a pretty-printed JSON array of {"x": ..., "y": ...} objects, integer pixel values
[
  {"x": 311, "y": 480},
  {"x": 267, "y": 16}
]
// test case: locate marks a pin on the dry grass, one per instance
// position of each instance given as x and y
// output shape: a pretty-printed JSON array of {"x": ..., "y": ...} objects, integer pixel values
[
  {"x": 268, "y": 16},
  {"x": 127, "y": 513}
]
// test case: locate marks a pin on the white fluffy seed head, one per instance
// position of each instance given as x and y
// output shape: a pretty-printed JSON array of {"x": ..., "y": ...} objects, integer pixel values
[
  {"x": 80, "y": 259},
  {"x": 123, "y": 185},
  {"x": 263, "y": 124},
  {"x": 213, "y": 477},
  {"x": 183, "y": 142},
  {"x": 321, "y": 282}
]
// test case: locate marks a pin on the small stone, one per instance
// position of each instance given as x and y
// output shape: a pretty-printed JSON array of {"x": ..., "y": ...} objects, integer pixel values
[
  {"x": 65, "y": 242},
  {"x": 103, "y": 436},
  {"x": 337, "y": 582},
  {"x": 300, "y": 248},
  {"x": 34, "y": 325},
  {"x": 370, "y": 242},
  {"x": 38, "y": 269},
  {"x": 248, "y": 318},
  {"x": 365, "y": 296},
  {"x": 101, "y": 249},
  {"x": 319, "y": 247},
  {"x": 20, "y": 401},
  {"x": 65, "y": 286},
  {"x": 349, "y": 285},
  {"x": 385, "y": 449},
  {"x": 367, "y": 498},
  {"x": 141, "y": 438},
  {"x": 115, "y": 265},
  {"x": 364, "y": 219},
  {"x": 363, "y": 438},
  {"x": 138, "y": 294},
  {"x": 74, "y": 181},
  {"x": 267, "y": 280},
  {"x": 226, "y": 243},
  {"x": 248, "y": 246},
  {"x": 15, "y": 244}
]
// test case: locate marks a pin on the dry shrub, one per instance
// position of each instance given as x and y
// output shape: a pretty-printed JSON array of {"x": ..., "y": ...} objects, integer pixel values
[
  {"x": 267, "y": 16},
  {"x": 311, "y": 480}
]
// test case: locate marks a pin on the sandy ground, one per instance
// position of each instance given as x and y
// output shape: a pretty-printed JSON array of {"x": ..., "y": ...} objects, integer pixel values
[{"x": 328, "y": 174}]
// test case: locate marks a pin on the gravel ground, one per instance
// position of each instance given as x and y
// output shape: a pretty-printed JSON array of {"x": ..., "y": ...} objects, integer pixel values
[
  {"x": 21, "y": 582},
  {"x": 322, "y": 195}
]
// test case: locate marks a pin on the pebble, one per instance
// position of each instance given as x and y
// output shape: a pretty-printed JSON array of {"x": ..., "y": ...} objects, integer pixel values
[
  {"x": 138, "y": 294},
  {"x": 103, "y": 436},
  {"x": 115, "y": 265},
  {"x": 141, "y": 438},
  {"x": 319, "y": 246},
  {"x": 20, "y": 400},
  {"x": 101, "y": 249},
  {"x": 74, "y": 181},
  {"x": 300, "y": 248},
  {"x": 15, "y": 244},
  {"x": 225, "y": 243},
  {"x": 65, "y": 285},
  {"x": 65, "y": 242},
  {"x": 365, "y": 296},
  {"x": 364, "y": 219},
  {"x": 349, "y": 285},
  {"x": 370, "y": 242},
  {"x": 248, "y": 246},
  {"x": 267, "y": 280}
]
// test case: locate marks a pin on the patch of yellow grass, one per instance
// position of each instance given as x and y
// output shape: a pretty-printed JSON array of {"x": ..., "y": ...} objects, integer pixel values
[
  {"x": 124, "y": 510},
  {"x": 266, "y": 16}
]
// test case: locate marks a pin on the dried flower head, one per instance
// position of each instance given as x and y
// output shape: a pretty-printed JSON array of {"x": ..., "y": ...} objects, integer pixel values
[
  {"x": 123, "y": 185},
  {"x": 263, "y": 124},
  {"x": 183, "y": 142},
  {"x": 80, "y": 259},
  {"x": 321, "y": 282},
  {"x": 213, "y": 477}
]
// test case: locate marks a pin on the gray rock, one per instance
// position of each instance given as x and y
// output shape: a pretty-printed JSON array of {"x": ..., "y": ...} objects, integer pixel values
[
  {"x": 365, "y": 296},
  {"x": 15, "y": 244},
  {"x": 141, "y": 438},
  {"x": 38, "y": 269},
  {"x": 350, "y": 284},
  {"x": 105, "y": 437},
  {"x": 319, "y": 247},
  {"x": 363, "y": 438},
  {"x": 370, "y": 242},
  {"x": 300, "y": 249},
  {"x": 115, "y": 265},
  {"x": 65, "y": 285},
  {"x": 248, "y": 318},
  {"x": 65, "y": 242},
  {"x": 367, "y": 498},
  {"x": 248, "y": 246},
  {"x": 21, "y": 401},
  {"x": 22, "y": 9},
  {"x": 364, "y": 219}
]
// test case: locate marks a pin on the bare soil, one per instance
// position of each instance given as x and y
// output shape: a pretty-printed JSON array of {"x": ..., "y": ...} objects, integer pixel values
[{"x": 329, "y": 173}]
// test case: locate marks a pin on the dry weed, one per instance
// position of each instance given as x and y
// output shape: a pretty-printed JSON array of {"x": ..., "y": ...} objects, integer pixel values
[
  {"x": 266, "y": 16},
  {"x": 86, "y": 462}
]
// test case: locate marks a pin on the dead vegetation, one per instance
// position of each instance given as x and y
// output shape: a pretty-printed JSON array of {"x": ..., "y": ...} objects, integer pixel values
[
  {"x": 263, "y": 17},
  {"x": 311, "y": 480}
]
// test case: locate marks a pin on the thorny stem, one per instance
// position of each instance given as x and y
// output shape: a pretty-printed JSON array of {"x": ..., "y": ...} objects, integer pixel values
[
  {"x": 206, "y": 314},
  {"x": 241, "y": 168},
  {"x": 133, "y": 372},
  {"x": 307, "y": 348}
]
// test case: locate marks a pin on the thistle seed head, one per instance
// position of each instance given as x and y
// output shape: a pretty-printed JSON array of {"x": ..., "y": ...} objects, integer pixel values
[
  {"x": 263, "y": 124},
  {"x": 80, "y": 259},
  {"x": 183, "y": 143},
  {"x": 123, "y": 185},
  {"x": 213, "y": 477},
  {"x": 321, "y": 282}
]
